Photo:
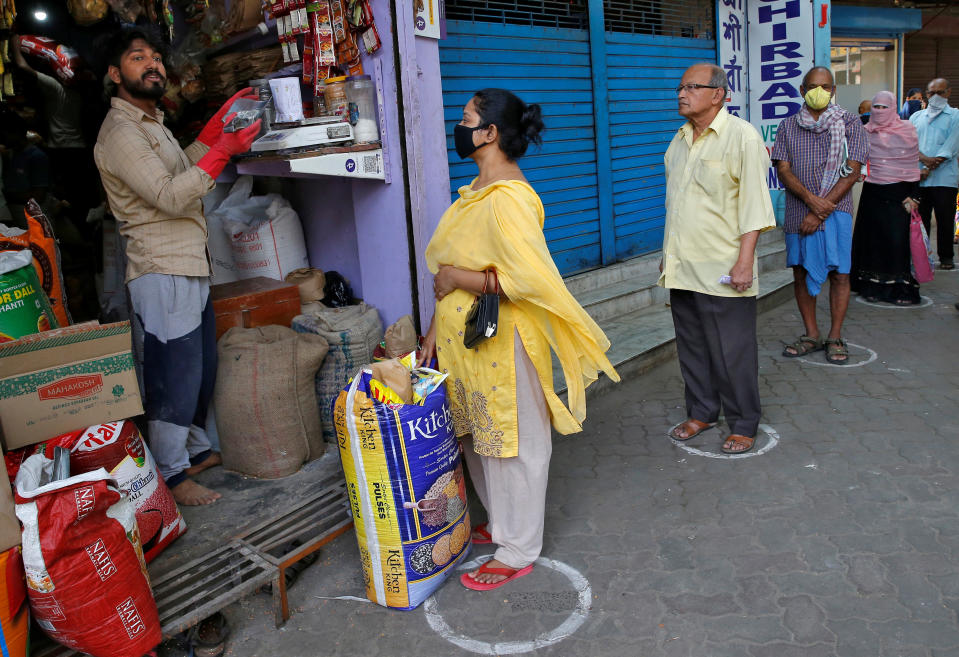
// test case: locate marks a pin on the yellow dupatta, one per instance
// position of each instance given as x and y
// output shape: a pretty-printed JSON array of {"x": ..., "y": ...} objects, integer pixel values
[{"x": 501, "y": 226}]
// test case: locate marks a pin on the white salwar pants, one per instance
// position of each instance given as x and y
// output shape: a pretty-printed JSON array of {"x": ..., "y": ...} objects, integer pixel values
[{"x": 513, "y": 489}]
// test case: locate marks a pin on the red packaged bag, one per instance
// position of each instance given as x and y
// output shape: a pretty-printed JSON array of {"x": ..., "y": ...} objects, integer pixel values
[
  {"x": 86, "y": 577},
  {"x": 62, "y": 59},
  {"x": 118, "y": 448}
]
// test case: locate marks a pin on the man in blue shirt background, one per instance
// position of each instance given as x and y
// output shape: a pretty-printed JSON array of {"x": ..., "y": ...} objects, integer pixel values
[{"x": 938, "y": 128}]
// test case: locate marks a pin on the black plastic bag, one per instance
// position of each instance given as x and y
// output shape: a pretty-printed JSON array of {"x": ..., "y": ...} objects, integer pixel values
[{"x": 337, "y": 291}]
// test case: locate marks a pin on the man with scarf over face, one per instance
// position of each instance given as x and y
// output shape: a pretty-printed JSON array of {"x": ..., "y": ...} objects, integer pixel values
[
  {"x": 155, "y": 191},
  {"x": 819, "y": 152},
  {"x": 938, "y": 129}
]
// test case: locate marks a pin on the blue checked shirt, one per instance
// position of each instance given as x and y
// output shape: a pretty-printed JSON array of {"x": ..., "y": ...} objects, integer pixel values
[
  {"x": 806, "y": 153},
  {"x": 939, "y": 138}
]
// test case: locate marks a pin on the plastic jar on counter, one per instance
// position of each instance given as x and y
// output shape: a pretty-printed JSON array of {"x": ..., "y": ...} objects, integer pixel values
[
  {"x": 361, "y": 93},
  {"x": 337, "y": 103}
]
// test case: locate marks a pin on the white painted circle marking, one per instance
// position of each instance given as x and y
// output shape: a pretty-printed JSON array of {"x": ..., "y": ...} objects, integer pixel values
[
  {"x": 771, "y": 434},
  {"x": 548, "y": 638},
  {"x": 926, "y": 302},
  {"x": 872, "y": 356}
]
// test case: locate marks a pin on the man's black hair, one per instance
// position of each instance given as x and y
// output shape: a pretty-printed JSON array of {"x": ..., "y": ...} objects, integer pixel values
[{"x": 119, "y": 42}]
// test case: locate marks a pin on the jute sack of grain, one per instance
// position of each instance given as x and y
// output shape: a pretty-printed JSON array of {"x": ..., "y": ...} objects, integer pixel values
[
  {"x": 353, "y": 332},
  {"x": 266, "y": 412}
]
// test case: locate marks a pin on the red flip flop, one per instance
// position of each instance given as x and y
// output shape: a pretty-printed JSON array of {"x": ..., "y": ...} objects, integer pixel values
[
  {"x": 482, "y": 531},
  {"x": 510, "y": 573}
]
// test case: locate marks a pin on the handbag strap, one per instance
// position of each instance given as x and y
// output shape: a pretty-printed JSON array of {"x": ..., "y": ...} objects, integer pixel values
[{"x": 486, "y": 275}]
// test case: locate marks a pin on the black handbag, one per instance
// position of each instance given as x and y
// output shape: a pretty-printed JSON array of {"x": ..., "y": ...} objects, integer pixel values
[{"x": 483, "y": 316}]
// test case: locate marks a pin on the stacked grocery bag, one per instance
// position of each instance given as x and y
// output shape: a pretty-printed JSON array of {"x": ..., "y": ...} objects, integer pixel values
[{"x": 88, "y": 508}]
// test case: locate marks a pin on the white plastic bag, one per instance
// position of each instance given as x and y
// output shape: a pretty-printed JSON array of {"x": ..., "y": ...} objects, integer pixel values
[{"x": 265, "y": 235}]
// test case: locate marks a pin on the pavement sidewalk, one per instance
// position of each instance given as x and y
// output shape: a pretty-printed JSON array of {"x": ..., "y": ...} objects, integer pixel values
[{"x": 842, "y": 538}]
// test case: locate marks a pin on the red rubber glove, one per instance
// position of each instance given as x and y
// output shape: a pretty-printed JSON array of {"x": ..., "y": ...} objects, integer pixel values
[
  {"x": 228, "y": 145},
  {"x": 214, "y": 127}
]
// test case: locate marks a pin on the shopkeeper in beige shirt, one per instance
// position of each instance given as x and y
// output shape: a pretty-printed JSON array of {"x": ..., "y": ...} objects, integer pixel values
[
  {"x": 717, "y": 203},
  {"x": 155, "y": 191}
]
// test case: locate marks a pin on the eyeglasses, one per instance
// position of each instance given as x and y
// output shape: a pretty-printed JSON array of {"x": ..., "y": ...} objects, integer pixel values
[
  {"x": 936, "y": 92},
  {"x": 690, "y": 87}
]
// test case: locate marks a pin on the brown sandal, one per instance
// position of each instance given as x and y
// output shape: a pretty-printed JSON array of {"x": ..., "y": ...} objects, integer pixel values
[
  {"x": 836, "y": 351},
  {"x": 696, "y": 426},
  {"x": 738, "y": 440},
  {"x": 802, "y": 346}
]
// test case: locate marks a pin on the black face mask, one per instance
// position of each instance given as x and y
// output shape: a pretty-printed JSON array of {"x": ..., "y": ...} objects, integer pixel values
[{"x": 463, "y": 140}]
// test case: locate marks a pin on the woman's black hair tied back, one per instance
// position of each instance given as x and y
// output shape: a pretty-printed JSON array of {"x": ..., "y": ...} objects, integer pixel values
[
  {"x": 518, "y": 124},
  {"x": 532, "y": 123}
]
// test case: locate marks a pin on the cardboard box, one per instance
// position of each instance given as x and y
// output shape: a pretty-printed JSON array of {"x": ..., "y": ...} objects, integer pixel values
[
  {"x": 9, "y": 525},
  {"x": 254, "y": 302},
  {"x": 64, "y": 380}
]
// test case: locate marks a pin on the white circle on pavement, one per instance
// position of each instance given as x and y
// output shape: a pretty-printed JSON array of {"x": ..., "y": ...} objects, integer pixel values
[
  {"x": 872, "y": 356},
  {"x": 926, "y": 301},
  {"x": 565, "y": 629},
  {"x": 771, "y": 434}
]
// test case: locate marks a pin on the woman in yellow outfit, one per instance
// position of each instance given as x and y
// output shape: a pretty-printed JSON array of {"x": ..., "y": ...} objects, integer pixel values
[{"x": 501, "y": 392}]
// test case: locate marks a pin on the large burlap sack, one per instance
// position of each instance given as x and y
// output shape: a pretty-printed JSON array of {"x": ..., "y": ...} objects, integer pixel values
[
  {"x": 266, "y": 411},
  {"x": 352, "y": 332}
]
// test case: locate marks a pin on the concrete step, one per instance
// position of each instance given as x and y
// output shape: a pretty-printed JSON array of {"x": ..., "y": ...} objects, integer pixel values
[
  {"x": 644, "y": 338},
  {"x": 634, "y": 283}
]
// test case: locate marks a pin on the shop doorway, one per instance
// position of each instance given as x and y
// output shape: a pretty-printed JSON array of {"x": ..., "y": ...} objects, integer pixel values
[{"x": 862, "y": 68}]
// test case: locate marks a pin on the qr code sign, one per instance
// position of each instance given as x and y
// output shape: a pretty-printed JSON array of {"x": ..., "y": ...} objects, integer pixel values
[{"x": 371, "y": 164}]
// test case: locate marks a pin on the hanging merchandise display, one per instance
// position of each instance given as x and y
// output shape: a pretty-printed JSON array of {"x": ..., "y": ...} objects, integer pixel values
[
  {"x": 8, "y": 12},
  {"x": 87, "y": 12},
  {"x": 63, "y": 59}
]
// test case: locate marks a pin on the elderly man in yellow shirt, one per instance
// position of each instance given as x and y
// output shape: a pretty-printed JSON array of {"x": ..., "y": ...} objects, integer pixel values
[{"x": 717, "y": 203}]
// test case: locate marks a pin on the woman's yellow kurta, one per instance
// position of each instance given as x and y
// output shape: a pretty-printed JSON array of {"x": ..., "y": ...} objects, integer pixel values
[{"x": 501, "y": 226}]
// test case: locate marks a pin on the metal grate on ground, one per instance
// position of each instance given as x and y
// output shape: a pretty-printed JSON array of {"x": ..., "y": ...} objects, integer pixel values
[
  {"x": 257, "y": 557},
  {"x": 548, "y": 13},
  {"x": 691, "y": 19},
  {"x": 303, "y": 530}
]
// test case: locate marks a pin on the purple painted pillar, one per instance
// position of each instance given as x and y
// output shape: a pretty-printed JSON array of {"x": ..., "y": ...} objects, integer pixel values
[{"x": 429, "y": 177}]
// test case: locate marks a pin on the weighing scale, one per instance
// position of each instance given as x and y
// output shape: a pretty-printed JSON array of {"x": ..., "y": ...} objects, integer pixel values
[{"x": 320, "y": 131}]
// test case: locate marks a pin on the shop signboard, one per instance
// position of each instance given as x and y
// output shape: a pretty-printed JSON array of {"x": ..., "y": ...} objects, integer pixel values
[
  {"x": 428, "y": 16},
  {"x": 732, "y": 44},
  {"x": 781, "y": 50}
]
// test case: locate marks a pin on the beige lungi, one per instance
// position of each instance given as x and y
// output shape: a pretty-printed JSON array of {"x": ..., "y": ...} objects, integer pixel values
[{"x": 513, "y": 489}]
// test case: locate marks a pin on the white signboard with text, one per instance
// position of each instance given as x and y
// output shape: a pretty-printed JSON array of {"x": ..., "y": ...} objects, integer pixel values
[
  {"x": 731, "y": 28},
  {"x": 781, "y": 50}
]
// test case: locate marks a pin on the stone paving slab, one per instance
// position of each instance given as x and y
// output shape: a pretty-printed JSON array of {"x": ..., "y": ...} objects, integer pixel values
[{"x": 842, "y": 540}]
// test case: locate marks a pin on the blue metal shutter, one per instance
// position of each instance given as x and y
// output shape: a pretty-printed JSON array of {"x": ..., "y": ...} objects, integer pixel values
[
  {"x": 544, "y": 65},
  {"x": 644, "y": 71}
]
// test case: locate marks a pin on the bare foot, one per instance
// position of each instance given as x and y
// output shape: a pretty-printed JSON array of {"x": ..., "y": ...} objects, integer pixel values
[
  {"x": 490, "y": 578},
  {"x": 190, "y": 493},
  {"x": 213, "y": 459}
]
